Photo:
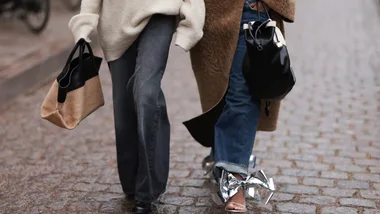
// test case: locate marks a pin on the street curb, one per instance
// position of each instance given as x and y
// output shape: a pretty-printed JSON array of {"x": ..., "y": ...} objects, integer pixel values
[{"x": 47, "y": 68}]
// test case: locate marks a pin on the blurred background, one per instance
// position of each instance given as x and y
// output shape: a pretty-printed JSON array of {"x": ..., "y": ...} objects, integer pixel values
[{"x": 324, "y": 157}]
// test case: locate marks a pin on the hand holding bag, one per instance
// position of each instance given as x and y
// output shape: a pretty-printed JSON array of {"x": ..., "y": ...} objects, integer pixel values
[
  {"x": 266, "y": 66},
  {"x": 76, "y": 92}
]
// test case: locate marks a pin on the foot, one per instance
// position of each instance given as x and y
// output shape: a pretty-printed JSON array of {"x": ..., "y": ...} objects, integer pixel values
[
  {"x": 142, "y": 207},
  {"x": 236, "y": 204}
]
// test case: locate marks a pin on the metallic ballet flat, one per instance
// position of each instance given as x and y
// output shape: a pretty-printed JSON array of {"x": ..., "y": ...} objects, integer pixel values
[{"x": 256, "y": 187}]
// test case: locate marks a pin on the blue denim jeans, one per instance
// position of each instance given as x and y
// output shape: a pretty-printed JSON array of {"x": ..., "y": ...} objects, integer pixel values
[
  {"x": 235, "y": 130},
  {"x": 142, "y": 126}
]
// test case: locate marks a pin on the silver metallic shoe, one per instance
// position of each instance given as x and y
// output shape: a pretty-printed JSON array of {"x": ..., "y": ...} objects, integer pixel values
[{"x": 256, "y": 186}]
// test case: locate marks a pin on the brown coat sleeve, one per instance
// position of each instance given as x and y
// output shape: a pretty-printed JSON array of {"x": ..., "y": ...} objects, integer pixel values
[{"x": 285, "y": 8}]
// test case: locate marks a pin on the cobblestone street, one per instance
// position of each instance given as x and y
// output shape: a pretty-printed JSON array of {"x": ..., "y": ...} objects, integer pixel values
[{"x": 324, "y": 157}]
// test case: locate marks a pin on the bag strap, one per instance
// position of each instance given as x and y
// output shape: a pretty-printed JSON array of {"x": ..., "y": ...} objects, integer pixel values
[
  {"x": 80, "y": 42},
  {"x": 82, "y": 45}
]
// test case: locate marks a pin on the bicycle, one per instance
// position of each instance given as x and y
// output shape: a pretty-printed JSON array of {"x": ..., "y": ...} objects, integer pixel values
[{"x": 35, "y": 13}]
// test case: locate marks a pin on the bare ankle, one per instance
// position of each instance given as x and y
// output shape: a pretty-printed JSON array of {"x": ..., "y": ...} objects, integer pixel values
[{"x": 238, "y": 176}]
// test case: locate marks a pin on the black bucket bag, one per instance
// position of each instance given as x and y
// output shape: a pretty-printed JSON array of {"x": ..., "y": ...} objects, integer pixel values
[{"x": 266, "y": 66}]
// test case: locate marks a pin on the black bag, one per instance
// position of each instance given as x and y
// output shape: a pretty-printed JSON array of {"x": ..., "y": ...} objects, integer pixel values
[{"x": 266, "y": 66}]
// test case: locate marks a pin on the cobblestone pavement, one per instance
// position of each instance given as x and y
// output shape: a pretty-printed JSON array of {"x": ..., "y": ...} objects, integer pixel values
[{"x": 325, "y": 157}]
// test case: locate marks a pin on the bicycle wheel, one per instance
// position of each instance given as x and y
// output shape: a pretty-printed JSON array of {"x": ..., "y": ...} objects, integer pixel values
[
  {"x": 72, "y": 5},
  {"x": 37, "y": 14}
]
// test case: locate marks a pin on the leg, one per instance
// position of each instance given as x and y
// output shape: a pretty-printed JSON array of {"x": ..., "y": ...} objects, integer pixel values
[
  {"x": 235, "y": 130},
  {"x": 152, "y": 119},
  {"x": 122, "y": 70}
]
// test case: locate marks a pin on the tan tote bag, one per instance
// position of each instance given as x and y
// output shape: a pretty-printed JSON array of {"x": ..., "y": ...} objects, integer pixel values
[{"x": 76, "y": 92}]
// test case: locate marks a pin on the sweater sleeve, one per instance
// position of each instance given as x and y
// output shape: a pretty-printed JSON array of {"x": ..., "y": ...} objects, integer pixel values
[
  {"x": 190, "y": 28},
  {"x": 83, "y": 24}
]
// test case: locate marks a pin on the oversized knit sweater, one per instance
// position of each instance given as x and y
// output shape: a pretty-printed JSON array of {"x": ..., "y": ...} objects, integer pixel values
[{"x": 119, "y": 22}]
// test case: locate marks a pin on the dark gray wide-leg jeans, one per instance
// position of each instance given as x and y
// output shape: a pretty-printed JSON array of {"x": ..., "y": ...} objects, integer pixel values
[{"x": 141, "y": 122}]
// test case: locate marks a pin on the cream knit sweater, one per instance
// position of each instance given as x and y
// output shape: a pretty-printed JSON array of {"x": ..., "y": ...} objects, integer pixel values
[{"x": 119, "y": 22}]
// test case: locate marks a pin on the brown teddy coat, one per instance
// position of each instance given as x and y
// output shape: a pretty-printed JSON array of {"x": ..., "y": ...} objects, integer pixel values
[{"x": 212, "y": 58}]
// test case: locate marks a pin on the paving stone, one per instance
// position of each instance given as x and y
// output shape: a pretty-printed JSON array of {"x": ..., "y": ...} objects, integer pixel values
[
  {"x": 321, "y": 200},
  {"x": 339, "y": 210},
  {"x": 303, "y": 157},
  {"x": 167, "y": 208},
  {"x": 374, "y": 154},
  {"x": 310, "y": 165},
  {"x": 377, "y": 186},
  {"x": 66, "y": 186},
  {"x": 321, "y": 152},
  {"x": 353, "y": 184},
  {"x": 198, "y": 173},
  {"x": 204, "y": 201},
  {"x": 334, "y": 175},
  {"x": 300, "y": 172},
  {"x": 276, "y": 163},
  {"x": 318, "y": 182},
  {"x": 367, "y": 162},
  {"x": 337, "y": 160},
  {"x": 357, "y": 202},
  {"x": 296, "y": 208},
  {"x": 173, "y": 190},
  {"x": 366, "y": 177},
  {"x": 368, "y": 149},
  {"x": 179, "y": 173},
  {"x": 198, "y": 210},
  {"x": 370, "y": 194},
  {"x": 374, "y": 169},
  {"x": 259, "y": 207},
  {"x": 282, "y": 197},
  {"x": 82, "y": 187},
  {"x": 116, "y": 188},
  {"x": 188, "y": 182},
  {"x": 104, "y": 197},
  {"x": 371, "y": 211},
  {"x": 350, "y": 168},
  {"x": 116, "y": 206},
  {"x": 195, "y": 192},
  {"x": 299, "y": 189},
  {"x": 286, "y": 179},
  {"x": 181, "y": 201},
  {"x": 82, "y": 206},
  {"x": 352, "y": 154},
  {"x": 338, "y": 192}
]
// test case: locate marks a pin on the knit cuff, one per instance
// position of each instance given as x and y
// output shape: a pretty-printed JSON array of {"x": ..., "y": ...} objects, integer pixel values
[
  {"x": 186, "y": 39},
  {"x": 82, "y": 25},
  {"x": 190, "y": 28}
]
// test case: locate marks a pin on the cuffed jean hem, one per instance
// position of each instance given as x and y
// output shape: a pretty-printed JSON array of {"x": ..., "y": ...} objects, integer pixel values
[{"x": 232, "y": 168}]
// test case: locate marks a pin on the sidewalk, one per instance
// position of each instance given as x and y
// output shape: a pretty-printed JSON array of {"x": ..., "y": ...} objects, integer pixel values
[{"x": 324, "y": 158}]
